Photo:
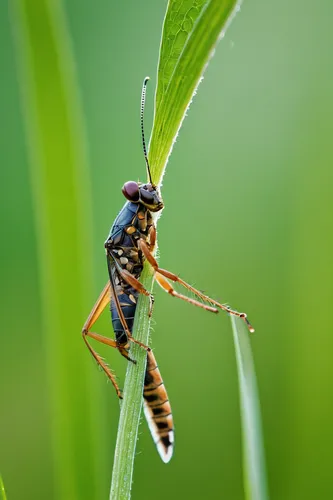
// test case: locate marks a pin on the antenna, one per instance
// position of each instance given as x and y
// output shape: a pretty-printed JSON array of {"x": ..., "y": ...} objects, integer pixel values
[{"x": 143, "y": 99}]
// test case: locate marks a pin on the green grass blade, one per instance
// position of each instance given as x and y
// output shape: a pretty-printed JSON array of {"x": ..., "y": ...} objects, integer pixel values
[
  {"x": 254, "y": 471},
  {"x": 190, "y": 33},
  {"x": 182, "y": 62},
  {"x": 2, "y": 490},
  {"x": 132, "y": 403},
  {"x": 61, "y": 198}
]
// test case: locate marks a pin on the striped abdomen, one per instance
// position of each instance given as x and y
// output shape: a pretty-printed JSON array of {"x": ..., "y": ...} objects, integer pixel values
[{"x": 158, "y": 410}]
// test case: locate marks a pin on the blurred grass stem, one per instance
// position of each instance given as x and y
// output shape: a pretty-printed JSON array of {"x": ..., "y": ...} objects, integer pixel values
[
  {"x": 60, "y": 184},
  {"x": 2, "y": 490}
]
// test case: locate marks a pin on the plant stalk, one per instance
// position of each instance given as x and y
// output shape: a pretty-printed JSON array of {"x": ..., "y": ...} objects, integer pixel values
[
  {"x": 254, "y": 470},
  {"x": 132, "y": 399},
  {"x": 2, "y": 490}
]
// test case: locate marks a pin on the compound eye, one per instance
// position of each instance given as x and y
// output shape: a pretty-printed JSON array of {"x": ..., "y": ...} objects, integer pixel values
[{"x": 131, "y": 191}]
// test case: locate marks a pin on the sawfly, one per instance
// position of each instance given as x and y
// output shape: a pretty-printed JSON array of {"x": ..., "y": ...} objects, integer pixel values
[{"x": 130, "y": 243}]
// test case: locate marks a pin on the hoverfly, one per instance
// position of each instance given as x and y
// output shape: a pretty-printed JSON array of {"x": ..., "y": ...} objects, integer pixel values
[{"x": 132, "y": 241}]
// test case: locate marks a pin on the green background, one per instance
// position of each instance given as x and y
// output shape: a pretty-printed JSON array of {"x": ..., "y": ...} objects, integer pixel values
[{"x": 248, "y": 218}]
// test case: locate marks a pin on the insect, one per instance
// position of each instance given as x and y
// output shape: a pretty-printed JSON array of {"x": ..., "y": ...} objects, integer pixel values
[{"x": 130, "y": 243}]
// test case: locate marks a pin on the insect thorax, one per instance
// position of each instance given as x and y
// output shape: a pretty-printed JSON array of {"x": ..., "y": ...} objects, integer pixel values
[{"x": 133, "y": 222}]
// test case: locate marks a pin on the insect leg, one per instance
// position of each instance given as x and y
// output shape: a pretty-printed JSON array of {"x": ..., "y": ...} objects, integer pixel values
[
  {"x": 131, "y": 280},
  {"x": 152, "y": 239},
  {"x": 175, "y": 278},
  {"x": 166, "y": 285},
  {"x": 112, "y": 343},
  {"x": 102, "y": 301}
]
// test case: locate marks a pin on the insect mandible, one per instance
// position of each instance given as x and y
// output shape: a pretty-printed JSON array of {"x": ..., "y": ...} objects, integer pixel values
[{"x": 130, "y": 243}]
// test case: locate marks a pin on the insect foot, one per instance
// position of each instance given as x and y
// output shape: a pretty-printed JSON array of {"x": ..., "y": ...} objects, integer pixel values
[
  {"x": 145, "y": 347},
  {"x": 248, "y": 324}
]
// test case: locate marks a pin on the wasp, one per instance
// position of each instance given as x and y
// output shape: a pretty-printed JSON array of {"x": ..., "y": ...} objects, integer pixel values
[{"x": 131, "y": 242}]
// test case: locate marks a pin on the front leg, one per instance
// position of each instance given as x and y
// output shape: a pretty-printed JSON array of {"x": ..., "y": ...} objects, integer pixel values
[
  {"x": 161, "y": 274},
  {"x": 152, "y": 238}
]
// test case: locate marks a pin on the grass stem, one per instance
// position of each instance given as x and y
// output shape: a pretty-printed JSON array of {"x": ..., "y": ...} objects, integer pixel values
[
  {"x": 2, "y": 490},
  {"x": 254, "y": 470},
  {"x": 132, "y": 402}
]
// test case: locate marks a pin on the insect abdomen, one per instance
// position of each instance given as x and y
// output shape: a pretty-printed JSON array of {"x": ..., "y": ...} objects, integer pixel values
[
  {"x": 158, "y": 410},
  {"x": 127, "y": 303}
]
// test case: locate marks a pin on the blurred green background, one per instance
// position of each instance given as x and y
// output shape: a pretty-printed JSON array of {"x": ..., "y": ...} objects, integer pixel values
[{"x": 248, "y": 218}]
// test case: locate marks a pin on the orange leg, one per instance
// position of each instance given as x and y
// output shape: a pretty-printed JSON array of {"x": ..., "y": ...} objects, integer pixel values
[
  {"x": 173, "y": 277},
  {"x": 152, "y": 239},
  {"x": 166, "y": 285},
  {"x": 102, "y": 301},
  {"x": 135, "y": 283},
  {"x": 120, "y": 311}
]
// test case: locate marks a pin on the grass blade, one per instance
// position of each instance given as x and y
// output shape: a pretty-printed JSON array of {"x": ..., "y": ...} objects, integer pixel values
[
  {"x": 190, "y": 33},
  {"x": 2, "y": 490},
  {"x": 132, "y": 403},
  {"x": 182, "y": 62},
  {"x": 253, "y": 450},
  {"x": 60, "y": 192}
]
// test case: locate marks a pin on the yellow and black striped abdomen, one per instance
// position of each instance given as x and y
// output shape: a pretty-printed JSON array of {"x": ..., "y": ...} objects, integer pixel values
[{"x": 158, "y": 410}]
